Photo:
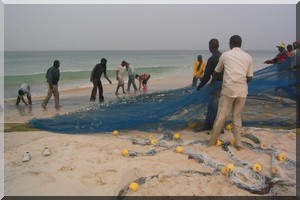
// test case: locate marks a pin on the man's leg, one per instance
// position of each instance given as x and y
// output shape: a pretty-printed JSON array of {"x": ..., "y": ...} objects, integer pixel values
[
  {"x": 49, "y": 95},
  {"x": 225, "y": 106},
  {"x": 94, "y": 91},
  {"x": 128, "y": 84},
  {"x": 238, "y": 106},
  {"x": 100, "y": 88},
  {"x": 56, "y": 96},
  {"x": 134, "y": 85}
]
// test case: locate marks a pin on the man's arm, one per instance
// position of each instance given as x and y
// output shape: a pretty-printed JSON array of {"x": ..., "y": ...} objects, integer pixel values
[
  {"x": 22, "y": 98},
  {"x": 50, "y": 78},
  {"x": 107, "y": 77}
]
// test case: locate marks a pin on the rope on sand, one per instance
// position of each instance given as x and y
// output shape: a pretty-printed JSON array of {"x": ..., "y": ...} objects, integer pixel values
[
  {"x": 203, "y": 158},
  {"x": 252, "y": 137},
  {"x": 237, "y": 161}
]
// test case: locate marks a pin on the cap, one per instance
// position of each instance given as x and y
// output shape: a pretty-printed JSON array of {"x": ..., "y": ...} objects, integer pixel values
[{"x": 282, "y": 45}]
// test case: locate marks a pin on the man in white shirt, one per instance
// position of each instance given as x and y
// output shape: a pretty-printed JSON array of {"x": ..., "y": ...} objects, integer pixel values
[
  {"x": 238, "y": 71},
  {"x": 24, "y": 89}
]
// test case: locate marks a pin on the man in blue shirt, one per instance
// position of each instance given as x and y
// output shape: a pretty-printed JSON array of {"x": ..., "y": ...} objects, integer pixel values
[{"x": 53, "y": 76}]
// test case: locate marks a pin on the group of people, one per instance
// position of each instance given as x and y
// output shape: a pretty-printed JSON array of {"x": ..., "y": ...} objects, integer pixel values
[
  {"x": 284, "y": 53},
  {"x": 100, "y": 69},
  {"x": 53, "y": 76},
  {"x": 229, "y": 73}
]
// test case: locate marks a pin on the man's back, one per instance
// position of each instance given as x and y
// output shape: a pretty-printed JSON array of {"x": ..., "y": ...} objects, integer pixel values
[
  {"x": 237, "y": 66},
  {"x": 99, "y": 69}
]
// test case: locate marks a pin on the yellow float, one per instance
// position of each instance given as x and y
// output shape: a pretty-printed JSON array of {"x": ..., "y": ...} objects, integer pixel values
[
  {"x": 230, "y": 167},
  {"x": 153, "y": 141},
  {"x": 115, "y": 132},
  {"x": 275, "y": 170},
  {"x": 125, "y": 152},
  {"x": 228, "y": 127},
  {"x": 219, "y": 143},
  {"x": 134, "y": 186},
  {"x": 224, "y": 171},
  {"x": 281, "y": 157},
  {"x": 150, "y": 137},
  {"x": 179, "y": 149},
  {"x": 257, "y": 167},
  {"x": 176, "y": 136}
]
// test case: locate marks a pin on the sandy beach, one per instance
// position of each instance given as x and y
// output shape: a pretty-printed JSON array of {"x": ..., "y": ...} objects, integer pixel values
[{"x": 93, "y": 164}]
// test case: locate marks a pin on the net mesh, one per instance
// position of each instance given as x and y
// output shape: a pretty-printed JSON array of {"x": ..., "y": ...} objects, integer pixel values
[{"x": 271, "y": 102}]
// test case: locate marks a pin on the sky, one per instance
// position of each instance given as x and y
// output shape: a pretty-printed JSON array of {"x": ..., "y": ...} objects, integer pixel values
[{"x": 146, "y": 26}]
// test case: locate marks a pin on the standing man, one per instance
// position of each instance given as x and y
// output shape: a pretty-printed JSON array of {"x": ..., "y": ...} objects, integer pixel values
[
  {"x": 199, "y": 66},
  {"x": 120, "y": 77},
  {"x": 24, "y": 89},
  {"x": 131, "y": 78},
  {"x": 212, "y": 107},
  {"x": 52, "y": 76},
  {"x": 238, "y": 71},
  {"x": 96, "y": 80}
]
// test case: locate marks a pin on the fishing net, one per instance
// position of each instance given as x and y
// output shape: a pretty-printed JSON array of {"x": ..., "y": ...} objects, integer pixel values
[
  {"x": 271, "y": 102},
  {"x": 242, "y": 173}
]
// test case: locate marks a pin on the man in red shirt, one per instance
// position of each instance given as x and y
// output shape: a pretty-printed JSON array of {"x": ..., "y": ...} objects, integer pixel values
[
  {"x": 143, "y": 79},
  {"x": 281, "y": 56}
]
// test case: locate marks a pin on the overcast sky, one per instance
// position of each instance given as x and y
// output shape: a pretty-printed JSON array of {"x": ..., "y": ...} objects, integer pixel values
[{"x": 136, "y": 27}]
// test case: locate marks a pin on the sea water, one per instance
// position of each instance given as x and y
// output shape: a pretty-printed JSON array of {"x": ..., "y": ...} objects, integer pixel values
[{"x": 75, "y": 66}]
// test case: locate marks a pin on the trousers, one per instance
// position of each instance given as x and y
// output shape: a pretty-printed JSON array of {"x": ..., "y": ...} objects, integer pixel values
[
  {"x": 227, "y": 105},
  {"x": 55, "y": 93},
  {"x": 97, "y": 84}
]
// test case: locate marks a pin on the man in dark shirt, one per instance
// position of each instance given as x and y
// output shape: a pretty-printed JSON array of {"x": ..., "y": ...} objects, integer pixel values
[
  {"x": 52, "y": 77},
  {"x": 213, "y": 99},
  {"x": 95, "y": 79}
]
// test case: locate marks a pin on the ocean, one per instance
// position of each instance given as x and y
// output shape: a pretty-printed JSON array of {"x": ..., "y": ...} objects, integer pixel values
[{"x": 75, "y": 66}]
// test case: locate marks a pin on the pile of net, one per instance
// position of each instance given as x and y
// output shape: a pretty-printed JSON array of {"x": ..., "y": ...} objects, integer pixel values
[{"x": 271, "y": 102}]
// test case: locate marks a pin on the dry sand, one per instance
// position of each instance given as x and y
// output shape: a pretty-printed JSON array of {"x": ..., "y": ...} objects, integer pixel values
[{"x": 93, "y": 164}]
